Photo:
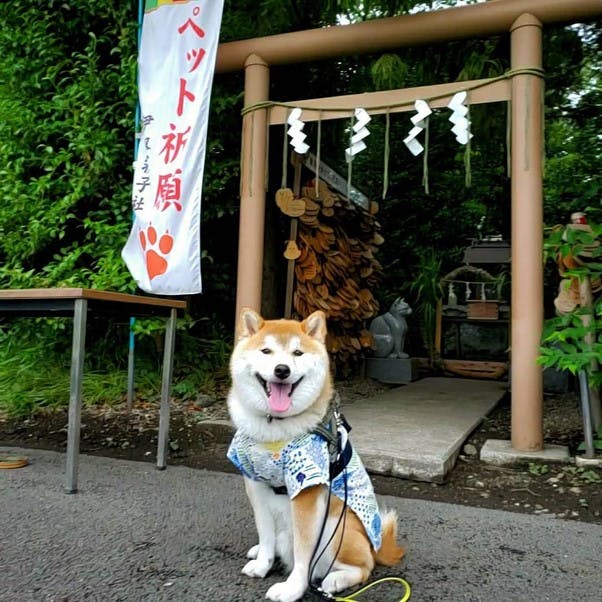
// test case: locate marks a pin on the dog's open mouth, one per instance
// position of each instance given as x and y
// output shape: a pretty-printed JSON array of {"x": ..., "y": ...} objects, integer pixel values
[{"x": 278, "y": 393}]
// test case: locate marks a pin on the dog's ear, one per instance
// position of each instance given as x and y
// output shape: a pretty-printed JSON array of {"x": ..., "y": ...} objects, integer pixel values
[
  {"x": 315, "y": 326},
  {"x": 249, "y": 323}
]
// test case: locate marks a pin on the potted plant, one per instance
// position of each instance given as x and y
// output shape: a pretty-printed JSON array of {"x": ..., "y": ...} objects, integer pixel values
[
  {"x": 428, "y": 292},
  {"x": 573, "y": 339}
]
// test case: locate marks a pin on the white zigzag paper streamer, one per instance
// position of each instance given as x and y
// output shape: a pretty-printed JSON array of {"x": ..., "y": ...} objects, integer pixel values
[
  {"x": 295, "y": 131},
  {"x": 422, "y": 112},
  {"x": 459, "y": 118},
  {"x": 360, "y": 130}
]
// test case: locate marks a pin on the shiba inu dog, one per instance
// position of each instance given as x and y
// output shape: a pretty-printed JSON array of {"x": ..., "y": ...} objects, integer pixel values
[{"x": 312, "y": 499}]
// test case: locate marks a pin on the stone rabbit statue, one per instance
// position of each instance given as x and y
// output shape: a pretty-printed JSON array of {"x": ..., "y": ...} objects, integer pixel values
[{"x": 389, "y": 330}]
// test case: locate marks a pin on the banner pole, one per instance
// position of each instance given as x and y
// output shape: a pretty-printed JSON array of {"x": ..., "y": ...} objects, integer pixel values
[{"x": 132, "y": 337}]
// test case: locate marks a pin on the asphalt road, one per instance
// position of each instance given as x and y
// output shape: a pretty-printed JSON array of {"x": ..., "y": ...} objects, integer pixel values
[{"x": 134, "y": 533}]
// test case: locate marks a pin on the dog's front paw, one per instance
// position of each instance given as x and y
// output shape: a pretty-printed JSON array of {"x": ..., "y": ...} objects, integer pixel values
[
  {"x": 257, "y": 568},
  {"x": 336, "y": 581},
  {"x": 253, "y": 551},
  {"x": 285, "y": 592}
]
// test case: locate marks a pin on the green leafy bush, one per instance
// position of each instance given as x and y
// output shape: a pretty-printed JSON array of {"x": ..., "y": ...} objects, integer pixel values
[
  {"x": 67, "y": 101},
  {"x": 573, "y": 340}
]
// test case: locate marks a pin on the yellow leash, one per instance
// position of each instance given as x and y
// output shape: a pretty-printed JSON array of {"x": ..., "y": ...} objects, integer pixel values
[{"x": 352, "y": 597}]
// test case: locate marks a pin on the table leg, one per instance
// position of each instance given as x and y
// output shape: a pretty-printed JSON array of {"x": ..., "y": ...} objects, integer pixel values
[
  {"x": 80, "y": 312},
  {"x": 170, "y": 338}
]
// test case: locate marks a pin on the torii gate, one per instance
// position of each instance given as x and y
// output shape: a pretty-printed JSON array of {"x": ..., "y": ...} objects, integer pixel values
[{"x": 524, "y": 20}]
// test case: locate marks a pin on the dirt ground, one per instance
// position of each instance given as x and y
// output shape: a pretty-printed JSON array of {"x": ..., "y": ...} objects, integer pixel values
[{"x": 200, "y": 434}]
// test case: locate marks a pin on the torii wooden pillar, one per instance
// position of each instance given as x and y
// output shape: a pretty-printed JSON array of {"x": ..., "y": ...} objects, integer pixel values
[
  {"x": 527, "y": 236},
  {"x": 252, "y": 187}
]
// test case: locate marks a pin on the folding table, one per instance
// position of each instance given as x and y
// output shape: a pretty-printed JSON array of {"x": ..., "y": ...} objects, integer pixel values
[{"x": 79, "y": 303}]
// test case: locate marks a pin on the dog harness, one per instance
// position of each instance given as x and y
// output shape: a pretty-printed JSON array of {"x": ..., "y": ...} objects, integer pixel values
[{"x": 304, "y": 462}]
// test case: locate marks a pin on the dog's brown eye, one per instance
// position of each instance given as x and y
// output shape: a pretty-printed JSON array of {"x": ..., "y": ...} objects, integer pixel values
[
  {"x": 266, "y": 351},
  {"x": 297, "y": 352}
]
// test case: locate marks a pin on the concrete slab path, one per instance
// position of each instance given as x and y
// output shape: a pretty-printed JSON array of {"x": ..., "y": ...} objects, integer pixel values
[
  {"x": 417, "y": 431},
  {"x": 136, "y": 534}
]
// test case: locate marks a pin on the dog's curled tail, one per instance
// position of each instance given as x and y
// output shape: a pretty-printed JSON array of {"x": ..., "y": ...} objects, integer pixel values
[{"x": 390, "y": 552}]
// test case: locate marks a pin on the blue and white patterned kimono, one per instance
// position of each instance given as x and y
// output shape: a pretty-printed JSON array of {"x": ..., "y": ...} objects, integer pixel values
[{"x": 302, "y": 463}]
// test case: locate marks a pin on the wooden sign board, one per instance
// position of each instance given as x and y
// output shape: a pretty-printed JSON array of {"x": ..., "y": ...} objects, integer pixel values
[{"x": 336, "y": 181}]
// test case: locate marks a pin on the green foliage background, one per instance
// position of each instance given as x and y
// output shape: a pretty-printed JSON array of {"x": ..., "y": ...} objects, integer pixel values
[
  {"x": 66, "y": 111},
  {"x": 67, "y": 107}
]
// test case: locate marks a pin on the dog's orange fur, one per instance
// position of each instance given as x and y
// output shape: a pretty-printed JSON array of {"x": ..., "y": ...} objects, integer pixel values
[
  {"x": 355, "y": 548},
  {"x": 282, "y": 330}
]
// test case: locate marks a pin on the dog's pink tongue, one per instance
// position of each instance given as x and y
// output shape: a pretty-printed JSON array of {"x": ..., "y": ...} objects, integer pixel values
[{"x": 279, "y": 398}]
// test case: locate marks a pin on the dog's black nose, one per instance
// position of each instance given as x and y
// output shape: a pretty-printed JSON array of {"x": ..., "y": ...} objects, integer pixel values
[{"x": 282, "y": 371}]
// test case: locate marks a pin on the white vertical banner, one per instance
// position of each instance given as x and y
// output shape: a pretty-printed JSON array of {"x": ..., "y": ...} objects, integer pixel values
[{"x": 175, "y": 72}]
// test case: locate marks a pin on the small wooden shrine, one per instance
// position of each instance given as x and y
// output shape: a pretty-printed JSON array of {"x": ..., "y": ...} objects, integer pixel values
[{"x": 472, "y": 335}]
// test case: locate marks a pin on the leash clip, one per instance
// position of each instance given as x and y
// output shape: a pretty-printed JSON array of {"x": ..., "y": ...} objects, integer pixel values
[{"x": 320, "y": 593}]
